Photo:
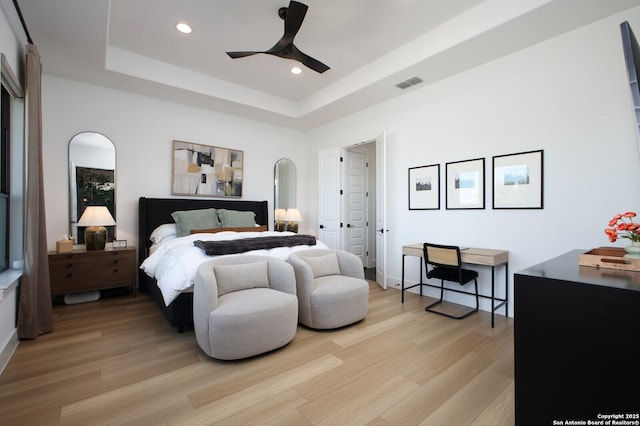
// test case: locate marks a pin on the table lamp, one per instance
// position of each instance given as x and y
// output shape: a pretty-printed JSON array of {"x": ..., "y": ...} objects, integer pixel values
[
  {"x": 279, "y": 213},
  {"x": 292, "y": 216},
  {"x": 95, "y": 218}
]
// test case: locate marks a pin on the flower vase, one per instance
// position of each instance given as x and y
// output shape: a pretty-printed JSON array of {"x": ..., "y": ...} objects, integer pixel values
[{"x": 633, "y": 251}]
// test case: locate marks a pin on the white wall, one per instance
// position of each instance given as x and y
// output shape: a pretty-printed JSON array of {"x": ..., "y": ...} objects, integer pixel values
[
  {"x": 568, "y": 96},
  {"x": 142, "y": 130}
]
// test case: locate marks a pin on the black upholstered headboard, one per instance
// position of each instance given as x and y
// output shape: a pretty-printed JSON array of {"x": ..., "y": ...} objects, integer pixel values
[{"x": 153, "y": 212}]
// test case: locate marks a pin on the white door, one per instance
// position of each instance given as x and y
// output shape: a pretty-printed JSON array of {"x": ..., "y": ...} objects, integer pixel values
[
  {"x": 381, "y": 210},
  {"x": 356, "y": 198},
  {"x": 329, "y": 201}
]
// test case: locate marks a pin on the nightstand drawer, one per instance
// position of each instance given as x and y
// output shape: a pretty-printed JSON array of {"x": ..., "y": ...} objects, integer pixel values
[{"x": 82, "y": 270}]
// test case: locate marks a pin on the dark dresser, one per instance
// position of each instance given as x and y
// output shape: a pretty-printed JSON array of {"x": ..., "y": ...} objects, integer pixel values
[
  {"x": 577, "y": 343},
  {"x": 82, "y": 270}
]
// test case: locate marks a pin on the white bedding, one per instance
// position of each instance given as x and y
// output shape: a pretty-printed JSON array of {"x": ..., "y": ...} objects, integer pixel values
[{"x": 173, "y": 263}]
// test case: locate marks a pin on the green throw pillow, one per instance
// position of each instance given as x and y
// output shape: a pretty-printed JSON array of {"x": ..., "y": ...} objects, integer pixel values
[
  {"x": 188, "y": 220},
  {"x": 236, "y": 219}
]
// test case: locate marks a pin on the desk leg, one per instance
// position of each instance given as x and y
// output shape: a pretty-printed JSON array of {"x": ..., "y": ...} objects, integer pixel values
[
  {"x": 506, "y": 292},
  {"x": 402, "y": 283},
  {"x": 493, "y": 304},
  {"x": 506, "y": 289}
]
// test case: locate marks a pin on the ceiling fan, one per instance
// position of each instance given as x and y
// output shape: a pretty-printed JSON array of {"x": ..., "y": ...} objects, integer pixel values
[{"x": 284, "y": 48}]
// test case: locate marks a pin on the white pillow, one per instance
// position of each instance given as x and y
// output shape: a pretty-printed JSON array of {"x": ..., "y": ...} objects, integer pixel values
[
  {"x": 163, "y": 232},
  {"x": 241, "y": 277},
  {"x": 323, "y": 265}
]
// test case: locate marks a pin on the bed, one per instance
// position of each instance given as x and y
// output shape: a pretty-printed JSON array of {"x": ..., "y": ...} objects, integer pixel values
[{"x": 185, "y": 253}]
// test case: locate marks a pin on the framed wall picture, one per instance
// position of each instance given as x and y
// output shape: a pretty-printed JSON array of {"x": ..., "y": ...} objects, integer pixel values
[
  {"x": 119, "y": 244},
  {"x": 207, "y": 171},
  {"x": 424, "y": 187},
  {"x": 465, "y": 184},
  {"x": 518, "y": 180}
]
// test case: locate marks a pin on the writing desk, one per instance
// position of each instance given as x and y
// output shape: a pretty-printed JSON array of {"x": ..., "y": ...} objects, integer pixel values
[{"x": 472, "y": 256}]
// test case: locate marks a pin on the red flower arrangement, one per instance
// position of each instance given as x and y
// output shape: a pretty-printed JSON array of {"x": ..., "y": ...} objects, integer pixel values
[{"x": 619, "y": 228}]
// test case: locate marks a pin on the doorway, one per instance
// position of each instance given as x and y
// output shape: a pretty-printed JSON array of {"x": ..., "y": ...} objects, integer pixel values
[
  {"x": 350, "y": 194},
  {"x": 360, "y": 203}
]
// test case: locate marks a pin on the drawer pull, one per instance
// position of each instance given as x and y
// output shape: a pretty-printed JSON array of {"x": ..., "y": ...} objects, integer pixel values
[
  {"x": 115, "y": 271},
  {"x": 69, "y": 275},
  {"x": 70, "y": 265}
]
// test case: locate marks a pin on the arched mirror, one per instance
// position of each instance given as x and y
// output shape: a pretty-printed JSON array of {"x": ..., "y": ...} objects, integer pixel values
[
  {"x": 92, "y": 179},
  {"x": 285, "y": 186}
]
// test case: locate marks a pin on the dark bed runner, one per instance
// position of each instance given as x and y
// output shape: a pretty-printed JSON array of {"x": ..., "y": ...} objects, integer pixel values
[{"x": 247, "y": 244}]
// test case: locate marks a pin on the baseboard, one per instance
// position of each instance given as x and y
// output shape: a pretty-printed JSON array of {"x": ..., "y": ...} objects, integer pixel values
[{"x": 8, "y": 350}]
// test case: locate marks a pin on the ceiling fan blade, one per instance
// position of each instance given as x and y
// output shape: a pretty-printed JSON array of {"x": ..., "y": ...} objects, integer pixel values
[
  {"x": 308, "y": 61},
  {"x": 293, "y": 20},
  {"x": 235, "y": 55},
  {"x": 293, "y": 17}
]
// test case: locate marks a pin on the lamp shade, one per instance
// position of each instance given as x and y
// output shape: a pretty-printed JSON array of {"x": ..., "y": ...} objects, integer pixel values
[
  {"x": 292, "y": 215},
  {"x": 280, "y": 214},
  {"x": 95, "y": 218}
]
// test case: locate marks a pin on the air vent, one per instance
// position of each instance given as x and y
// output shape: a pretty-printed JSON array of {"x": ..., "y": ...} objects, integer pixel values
[{"x": 410, "y": 82}]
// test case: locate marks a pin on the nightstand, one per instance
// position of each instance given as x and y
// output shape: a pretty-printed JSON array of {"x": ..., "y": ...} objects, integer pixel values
[{"x": 82, "y": 270}]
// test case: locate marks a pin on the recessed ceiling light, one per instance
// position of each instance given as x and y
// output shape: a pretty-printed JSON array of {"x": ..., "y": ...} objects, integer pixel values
[
  {"x": 296, "y": 70},
  {"x": 183, "y": 28}
]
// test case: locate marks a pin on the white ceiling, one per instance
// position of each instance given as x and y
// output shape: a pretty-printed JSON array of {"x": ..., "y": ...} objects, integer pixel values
[{"x": 370, "y": 46}]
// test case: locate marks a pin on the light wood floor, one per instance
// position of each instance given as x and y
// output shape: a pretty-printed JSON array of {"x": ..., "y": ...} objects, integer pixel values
[{"x": 116, "y": 361}]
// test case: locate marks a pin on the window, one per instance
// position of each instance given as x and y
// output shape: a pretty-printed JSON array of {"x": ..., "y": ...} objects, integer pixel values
[{"x": 4, "y": 180}]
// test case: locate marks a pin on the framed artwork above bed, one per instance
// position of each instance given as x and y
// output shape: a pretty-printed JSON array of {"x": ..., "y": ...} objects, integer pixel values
[{"x": 207, "y": 171}]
